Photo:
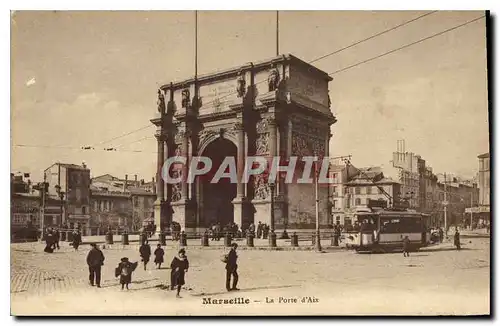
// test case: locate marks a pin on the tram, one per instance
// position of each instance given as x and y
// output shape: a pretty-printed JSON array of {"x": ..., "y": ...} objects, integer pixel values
[{"x": 384, "y": 230}]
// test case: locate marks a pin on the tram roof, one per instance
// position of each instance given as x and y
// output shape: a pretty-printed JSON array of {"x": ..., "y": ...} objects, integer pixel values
[{"x": 394, "y": 213}]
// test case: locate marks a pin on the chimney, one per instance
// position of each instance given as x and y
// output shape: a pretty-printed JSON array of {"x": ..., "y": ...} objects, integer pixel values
[
  {"x": 154, "y": 185},
  {"x": 135, "y": 181},
  {"x": 125, "y": 183}
]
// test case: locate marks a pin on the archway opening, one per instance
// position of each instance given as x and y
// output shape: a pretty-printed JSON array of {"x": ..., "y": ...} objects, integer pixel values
[{"x": 217, "y": 197}]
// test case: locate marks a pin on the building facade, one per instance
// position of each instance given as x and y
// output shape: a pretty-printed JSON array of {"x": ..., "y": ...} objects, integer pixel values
[
  {"x": 456, "y": 195},
  {"x": 71, "y": 183},
  {"x": 370, "y": 185},
  {"x": 484, "y": 179},
  {"x": 120, "y": 203},
  {"x": 409, "y": 177},
  {"x": 278, "y": 107}
]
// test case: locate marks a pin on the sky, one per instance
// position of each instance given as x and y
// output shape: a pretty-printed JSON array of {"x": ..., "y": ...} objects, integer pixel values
[{"x": 83, "y": 78}]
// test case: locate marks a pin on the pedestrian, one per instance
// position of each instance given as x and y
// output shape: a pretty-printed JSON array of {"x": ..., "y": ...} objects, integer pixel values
[
  {"x": 95, "y": 259},
  {"x": 441, "y": 235},
  {"x": 251, "y": 229},
  {"x": 217, "y": 231},
  {"x": 57, "y": 237},
  {"x": 231, "y": 268},
  {"x": 406, "y": 247},
  {"x": 179, "y": 266},
  {"x": 457, "y": 239},
  {"x": 124, "y": 270},
  {"x": 336, "y": 234},
  {"x": 144, "y": 237},
  {"x": 49, "y": 242},
  {"x": 159, "y": 253},
  {"x": 259, "y": 230},
  {"x": 77, "y": 239},
  {"x": 145, "y": 252}
]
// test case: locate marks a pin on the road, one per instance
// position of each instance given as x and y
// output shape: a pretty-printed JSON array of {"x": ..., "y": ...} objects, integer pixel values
[{"x": 435, "y": 281}]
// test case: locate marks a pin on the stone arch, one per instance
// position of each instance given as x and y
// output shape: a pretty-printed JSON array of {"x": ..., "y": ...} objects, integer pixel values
[{"x": 212, "y": 135}]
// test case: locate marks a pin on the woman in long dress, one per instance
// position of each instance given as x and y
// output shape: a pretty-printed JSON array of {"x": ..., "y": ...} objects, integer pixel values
[
  {"x": 159, "y": 252},
  {"x": 179, "y": 266}
]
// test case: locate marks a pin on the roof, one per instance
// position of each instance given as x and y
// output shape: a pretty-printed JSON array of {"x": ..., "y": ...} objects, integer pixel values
[
  {"x": 365, "y": 181},
  {"x": 69, "y": 165},
  {"x": 139, "y": 191},
  {"x": 258, "y": 65},
  {"x": 485, "y": 155}
]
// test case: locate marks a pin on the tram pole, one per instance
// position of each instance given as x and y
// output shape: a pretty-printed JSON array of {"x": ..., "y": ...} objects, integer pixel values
[
  {"x": 445, "y": 208},
  {"x": 316, "y": 196}
]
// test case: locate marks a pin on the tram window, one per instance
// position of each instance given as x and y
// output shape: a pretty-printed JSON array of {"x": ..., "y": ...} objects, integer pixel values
[{"x": 390, "y": 225}]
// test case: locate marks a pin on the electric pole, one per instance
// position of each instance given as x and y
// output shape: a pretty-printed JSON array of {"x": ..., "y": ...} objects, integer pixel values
[
  {"x": 445, "y": 207},
  {"x": 316, "y": 196}
]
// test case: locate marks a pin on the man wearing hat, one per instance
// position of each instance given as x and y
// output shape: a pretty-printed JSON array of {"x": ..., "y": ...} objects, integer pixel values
[
  {"x": 95, "y": 259},
  {"x": 231, "y": 267}
]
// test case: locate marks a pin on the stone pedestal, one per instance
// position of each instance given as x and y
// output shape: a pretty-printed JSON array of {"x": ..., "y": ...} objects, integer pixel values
[
  {"x": 162, "y": 215},
  {"x": 184, "y": 213},
  {"x": 243, "y": 212},
  {"x": 263, "y": 212}
]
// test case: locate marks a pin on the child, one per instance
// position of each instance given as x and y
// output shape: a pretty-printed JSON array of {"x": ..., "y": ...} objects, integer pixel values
[
  {"x": 179, "y": 267},
  {"x": 159, "y": 255},
  {"x": 406, "y": 247},
  {"x": 124, "y": 270}
]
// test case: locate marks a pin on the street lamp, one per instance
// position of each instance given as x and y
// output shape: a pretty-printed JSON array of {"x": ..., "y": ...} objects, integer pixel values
[{"x": 61, "y": 197}]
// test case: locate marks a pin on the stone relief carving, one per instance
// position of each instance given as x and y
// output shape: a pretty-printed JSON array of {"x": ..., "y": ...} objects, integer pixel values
[
  {"x": 238, "y": 126},
  {"x": 300, "y": 146},
  {"x": 177, "y": 151},
  {"x": 262, "y": 144},
  {"x": 185, "y": 98},
  {"x": 262, "y": 125},
  {"x": 261, "y": 187},
  {"x": 240, "y": 84},
  {"x": 217, "y": 105},
  {"x": 303, "y": 145},
  {"x": 176, "y": 188},
  {"x": 273, "y": 79},
  {"x": 179, "y": 136},
  {"x": 161, "y": 101},
  {"x": 205, "y": 133}
]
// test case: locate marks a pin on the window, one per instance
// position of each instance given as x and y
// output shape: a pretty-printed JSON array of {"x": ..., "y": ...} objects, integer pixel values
[
  {"x": 358, "y": 190},
  {"x": 334, "y": 190},
  {"x": 368, "y": 190},
  {"x": 84, "y": 210},
  {"x": 358, "y": 201}
]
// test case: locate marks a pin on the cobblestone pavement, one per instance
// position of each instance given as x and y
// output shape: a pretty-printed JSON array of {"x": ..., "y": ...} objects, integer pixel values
[{"x": 436, "y": 280}]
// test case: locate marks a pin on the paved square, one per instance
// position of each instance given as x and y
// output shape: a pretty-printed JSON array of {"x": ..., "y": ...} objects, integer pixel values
[{"x": 437, "y": 280}]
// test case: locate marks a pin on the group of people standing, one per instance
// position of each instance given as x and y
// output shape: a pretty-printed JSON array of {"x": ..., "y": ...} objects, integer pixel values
[
  {"x": 216, "y": 231},
  {"x": 53, "y": 236},
  {"x": 179, "y": 267}
]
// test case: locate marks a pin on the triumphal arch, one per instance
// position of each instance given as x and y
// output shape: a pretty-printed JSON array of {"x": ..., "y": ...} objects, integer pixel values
[{"x": 276, "y": 107}]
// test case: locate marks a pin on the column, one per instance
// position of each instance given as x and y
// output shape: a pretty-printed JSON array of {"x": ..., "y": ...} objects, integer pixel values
[
  {"x": 166, "y": 186},
  {"x": 159, "y": 178},
  {"x": 273, "y": 147},
  {"x": 273, "y": 139},
  {"x": 185, "y": 153},
  {"x": 240, "y": 137}
]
